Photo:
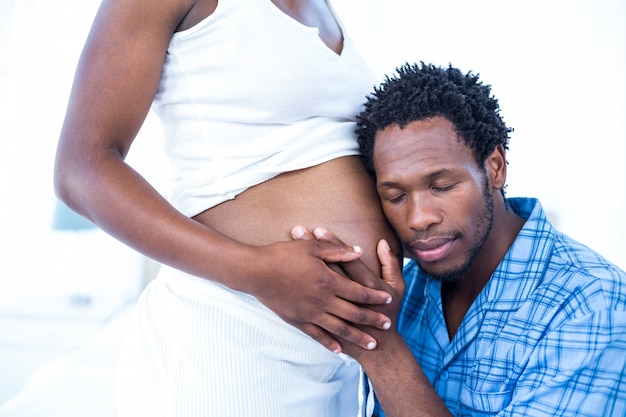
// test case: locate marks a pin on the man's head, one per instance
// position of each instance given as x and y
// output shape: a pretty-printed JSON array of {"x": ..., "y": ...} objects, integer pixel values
[{"x": 435, "y": 141}]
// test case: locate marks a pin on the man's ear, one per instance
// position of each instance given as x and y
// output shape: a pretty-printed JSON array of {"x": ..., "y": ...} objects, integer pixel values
[{"x": 496, "y": 168}]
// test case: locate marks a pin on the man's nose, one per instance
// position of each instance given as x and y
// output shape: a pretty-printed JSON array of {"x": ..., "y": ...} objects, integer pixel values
[{"x": 423, "y": 212}]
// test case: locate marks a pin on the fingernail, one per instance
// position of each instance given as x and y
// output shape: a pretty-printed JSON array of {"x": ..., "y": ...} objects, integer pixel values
[
  {"x": 388, "y": 300},
  {"x": 318, "y": 233},
  {"x": 371, "y": 345},
  {"x": 337, "y": 351},
  {"x": 298, "y": 232},
  {"x": 386, "y": 325},
  {"x": 357, "y": 249}
]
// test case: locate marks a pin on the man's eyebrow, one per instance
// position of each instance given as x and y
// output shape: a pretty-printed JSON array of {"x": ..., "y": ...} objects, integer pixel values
[
  {"x": 437, "y": 173},
  {"x": 388, "y": 184}
]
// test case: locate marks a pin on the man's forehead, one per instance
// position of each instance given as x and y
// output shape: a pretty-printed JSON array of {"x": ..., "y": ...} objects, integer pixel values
[{"x": 429, "y": 146}]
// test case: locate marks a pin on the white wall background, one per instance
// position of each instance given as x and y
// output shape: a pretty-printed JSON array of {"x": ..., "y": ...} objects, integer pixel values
[{"x": 556, "y": 66}]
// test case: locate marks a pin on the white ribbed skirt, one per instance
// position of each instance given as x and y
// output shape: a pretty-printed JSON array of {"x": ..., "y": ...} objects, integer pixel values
[{"x": 199, "y": 349}]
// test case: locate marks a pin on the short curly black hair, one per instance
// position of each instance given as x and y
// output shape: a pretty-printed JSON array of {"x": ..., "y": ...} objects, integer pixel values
[{"x": 421, "y": 91}]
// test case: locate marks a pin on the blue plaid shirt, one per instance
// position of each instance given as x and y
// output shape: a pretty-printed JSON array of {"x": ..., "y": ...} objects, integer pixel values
[{"x": 545, "y": 337}]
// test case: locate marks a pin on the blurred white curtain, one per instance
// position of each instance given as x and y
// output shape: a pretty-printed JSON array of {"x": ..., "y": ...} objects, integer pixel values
[{"x": 557, "y": 67}]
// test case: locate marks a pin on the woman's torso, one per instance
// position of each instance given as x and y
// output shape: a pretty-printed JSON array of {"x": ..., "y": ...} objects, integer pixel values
[
  {"x": 338, "y": 195},
  {"x": 333, "y": 191},
  {"x": 327, "y": 186}
]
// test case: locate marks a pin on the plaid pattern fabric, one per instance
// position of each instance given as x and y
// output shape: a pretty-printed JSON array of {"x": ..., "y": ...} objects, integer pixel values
[{"x": 545, "y": 337}]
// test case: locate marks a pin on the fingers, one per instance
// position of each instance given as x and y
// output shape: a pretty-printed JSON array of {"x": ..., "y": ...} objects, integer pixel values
[
  {"x": 336, "y": 252},
  {"x": 391, "y": 268},
  {"x": 358, "y": 293},
  {"x": 371, "y": 289},
  {"x": 324, "y": 235},
  {"x": 357, "y": 271},
  {"x": 301, "y": 233},
  {"x": 350, "y": 333},
  {"x": 345, "y": 319},
  {"x": 325, "y": 329},
  {"x": 362, "y": 274},
  {"x": 361, "y": 316},
  {"x": 321, "y": 336},
  {"x": 342, "y": 324},
  {"x": 349, "y": 301}
]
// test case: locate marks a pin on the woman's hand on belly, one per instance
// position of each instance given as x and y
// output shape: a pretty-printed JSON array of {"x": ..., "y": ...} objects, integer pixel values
[
  {"x": 292, "y": 278},
  {"x": 391, "y": 282},
  {"x": 392, "y": 363},
  {"x": 314, "y": 298}
]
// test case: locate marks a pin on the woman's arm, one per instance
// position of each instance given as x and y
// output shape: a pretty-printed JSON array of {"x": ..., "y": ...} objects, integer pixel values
[{"x": 116, "y": 80}]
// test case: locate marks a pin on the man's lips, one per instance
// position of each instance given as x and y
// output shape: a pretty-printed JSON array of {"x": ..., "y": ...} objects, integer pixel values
[{"x": 432, "y": 250}]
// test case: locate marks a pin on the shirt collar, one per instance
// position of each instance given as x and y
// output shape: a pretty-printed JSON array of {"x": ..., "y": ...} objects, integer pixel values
[{"x": 524, "y": 265}]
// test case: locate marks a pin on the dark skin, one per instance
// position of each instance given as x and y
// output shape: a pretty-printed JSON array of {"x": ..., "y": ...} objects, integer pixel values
[
  {"x": 391, "y": 364},
  {"x": 116, "y": 81},
  {"x": 436, "y": 197},
  {"x": 431, "y": 186}
]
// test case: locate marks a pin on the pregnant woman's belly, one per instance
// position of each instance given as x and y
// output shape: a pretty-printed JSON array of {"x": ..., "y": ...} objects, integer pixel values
[{"x": 338, "y": 195}]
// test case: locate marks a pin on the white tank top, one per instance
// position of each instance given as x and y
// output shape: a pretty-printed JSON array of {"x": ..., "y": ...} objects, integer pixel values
[{"x": 249, "y": 93}]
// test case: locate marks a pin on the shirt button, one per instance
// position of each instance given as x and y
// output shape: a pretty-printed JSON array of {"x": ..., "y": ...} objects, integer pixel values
[{"x": 443, "y": 375}]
